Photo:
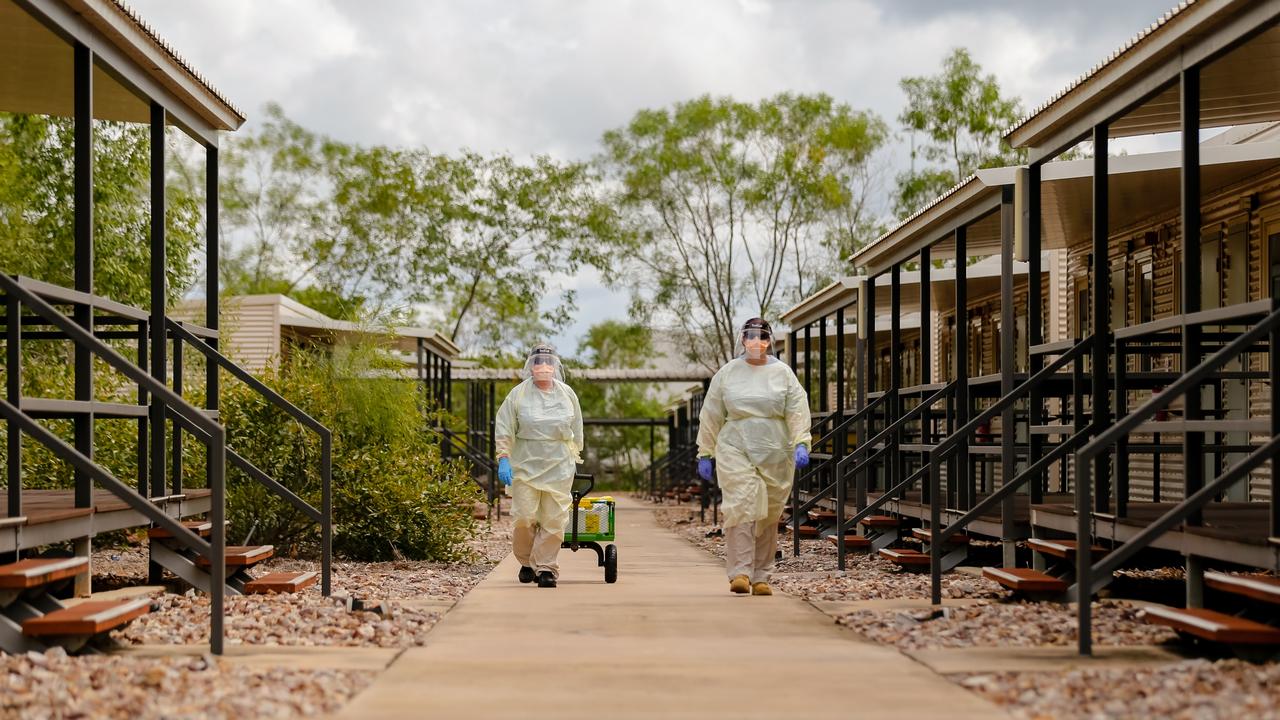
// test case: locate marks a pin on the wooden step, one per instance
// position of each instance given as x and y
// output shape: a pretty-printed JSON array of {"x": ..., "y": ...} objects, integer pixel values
[
  {"x": 35, "y": 572},
  {"x": 851, "y": 542},
  {"x": 1212, "y": 625},
  {"x": 242, "y": 555},
  {"x": 1065, "y": 549},
  {"x": 906, "y": 558},
  {"x": 822, "y": 516},
  {"x": 281, "y": 582},
  {"x": 1025, "y": 579},
  {"x": 880, "y": 521},
  {"x": 202, "y": 528},
  {"x": 1258, "y": 587},
  {"x": 925, "y": 535},
  {"x": 88, "y": 618},
  {"x": 810, "y": 531}
]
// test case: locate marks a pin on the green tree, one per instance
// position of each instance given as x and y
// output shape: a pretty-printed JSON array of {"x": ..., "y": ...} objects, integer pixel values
[
  {"x": 37, "y": 209},
  {"x": 473, "y": 242},
  {"x": 728, "y": 209},
  {"x": 962, "y": 115}
]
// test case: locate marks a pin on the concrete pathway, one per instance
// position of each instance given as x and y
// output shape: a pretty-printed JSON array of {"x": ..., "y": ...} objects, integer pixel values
[{"x": 667, "y": 640}]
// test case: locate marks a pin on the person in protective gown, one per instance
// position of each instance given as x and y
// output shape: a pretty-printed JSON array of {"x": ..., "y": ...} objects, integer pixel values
[
  {"x": 755, "y": 426},
  {"x": 539, "y": 443}
]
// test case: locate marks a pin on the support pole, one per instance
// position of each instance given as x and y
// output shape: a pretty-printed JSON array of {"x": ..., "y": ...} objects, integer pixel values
[
  {"x": 963, "y": 490},
  {"x": 896, "y": 471},
  {"x": 1192, "y": 442},
  {"x": 213, "y": 288},
  {"x": 1084, "y": 486},
  {"x": 823, "y": 403},
  {"x": 159, "y": 333},
  {"x": 82, "y": 364},
  {"x": 1008, "y": 419},
  {"x": 1035, "y": 314}
]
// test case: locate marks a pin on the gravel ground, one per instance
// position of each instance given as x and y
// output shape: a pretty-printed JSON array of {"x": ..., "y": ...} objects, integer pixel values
[
  {"x": 308, "y": 618},
  {"x": 1014, "y": 624},
  {"x": 1189, "y": 690},
  {"x": 53, "y": 685}
]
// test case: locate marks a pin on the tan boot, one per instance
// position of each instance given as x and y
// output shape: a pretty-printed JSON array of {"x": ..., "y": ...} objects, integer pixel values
[
  {"x": 740, "y": 585},
  {"x": 761, "y": 588}
]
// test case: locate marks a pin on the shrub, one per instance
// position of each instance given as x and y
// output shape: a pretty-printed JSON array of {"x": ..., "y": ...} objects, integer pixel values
[{"x": 393, "y": 496}]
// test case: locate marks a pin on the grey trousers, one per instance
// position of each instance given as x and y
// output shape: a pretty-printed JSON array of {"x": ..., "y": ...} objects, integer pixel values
[{"x": 746, "y": 553}]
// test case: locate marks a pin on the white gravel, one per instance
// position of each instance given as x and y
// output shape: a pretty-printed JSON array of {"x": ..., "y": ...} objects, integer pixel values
[
  {"x": 52, "y": 685},
  {"x": 1189, "y": 690}
]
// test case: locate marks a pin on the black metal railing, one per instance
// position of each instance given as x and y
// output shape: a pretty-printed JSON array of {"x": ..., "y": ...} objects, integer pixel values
[
  {"x": 212, "y": 434},
  {"x": 1090, "y": 577},
  {"x": 838, "y": 435},
  {"x": 322, "y": 516},
  {"x": 871, "y": 454},
  {"x": 960, "y": 438}
]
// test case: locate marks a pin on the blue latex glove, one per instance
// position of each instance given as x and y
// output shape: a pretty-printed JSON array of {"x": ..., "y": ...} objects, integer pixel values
[
  {"x": 802, "y": 456},
  {"x": 705, "y": 468},
  {"x": 504, "y": 470}
]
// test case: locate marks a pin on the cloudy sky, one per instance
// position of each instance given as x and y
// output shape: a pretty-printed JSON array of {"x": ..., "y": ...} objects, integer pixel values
[{"x": 550, "y": 76}]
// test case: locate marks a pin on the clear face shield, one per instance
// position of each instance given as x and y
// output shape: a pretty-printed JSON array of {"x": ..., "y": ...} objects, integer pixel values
[
  {"x": 543, "y": 365},
  {"x": 756, "y": 343}
]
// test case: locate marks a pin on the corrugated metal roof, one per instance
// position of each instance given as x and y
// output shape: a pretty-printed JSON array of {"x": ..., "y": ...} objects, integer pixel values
[
  {"x": 132, "y": 15},
  {"x": 1142, "y": 36}
]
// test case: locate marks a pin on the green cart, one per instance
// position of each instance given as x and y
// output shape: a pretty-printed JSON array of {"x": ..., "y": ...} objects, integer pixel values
[{"x": 593, "y": 524}]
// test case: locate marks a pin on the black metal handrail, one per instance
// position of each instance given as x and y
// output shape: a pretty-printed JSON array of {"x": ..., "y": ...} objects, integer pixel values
[
  {"x": 323, "y": 516},
  {"x": 215, "y": 438},
  {"x": 842, "y": 427},
  {"x": 953, "y": 443},
  {"x": 458, "y": 443},
  {"x": 1189, "y": 382}
]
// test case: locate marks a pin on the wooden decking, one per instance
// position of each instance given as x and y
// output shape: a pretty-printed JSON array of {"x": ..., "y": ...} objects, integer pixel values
[
  {"x": 1232, "y": 531},
  {"x": 51, "y": 515}
]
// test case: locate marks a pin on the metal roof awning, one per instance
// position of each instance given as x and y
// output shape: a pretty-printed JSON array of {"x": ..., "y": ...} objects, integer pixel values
[
  {"x": 1137, "y": 84},
  {"x": 132, "y": 62},
  {"x": 1142, "y": 186}
]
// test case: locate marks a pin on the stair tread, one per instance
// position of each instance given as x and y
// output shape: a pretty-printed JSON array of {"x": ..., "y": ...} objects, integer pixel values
[
  {"x": 1024, "y": 579},
  {"x": 1258, "y": 587},
  {"x": 880, "y": 521},
  {"x": 203, "y": 528},
  {"x": 822, "y": 515},
  {"x": 282, "y": 582},
  {"x": 926, "y": 534},
  {"x": 809, "y": 531},
  {"x": 34, "y": 572},
  {"x": 1060, "y": 548},
  {"x": 242, "y": 555},
  {"x": 904, "y": 556},
  {"x": 1213, "y": 625},
  {"x": 88, "y": 618},
  {"x": 855, "y": 541}
]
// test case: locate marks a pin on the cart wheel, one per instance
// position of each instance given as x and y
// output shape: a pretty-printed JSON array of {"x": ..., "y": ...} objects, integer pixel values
[{"x": 611, "y": 564}]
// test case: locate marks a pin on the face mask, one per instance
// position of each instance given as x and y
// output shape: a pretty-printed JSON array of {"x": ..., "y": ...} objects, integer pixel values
[
  {"x": 756, "y": 349},
  {"x": 543, "y": 373}
]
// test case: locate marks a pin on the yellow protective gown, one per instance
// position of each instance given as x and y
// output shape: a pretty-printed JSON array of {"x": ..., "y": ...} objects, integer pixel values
[
  {"x": 752, "y": 418},
  {"x": 541, "y": 431}
]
